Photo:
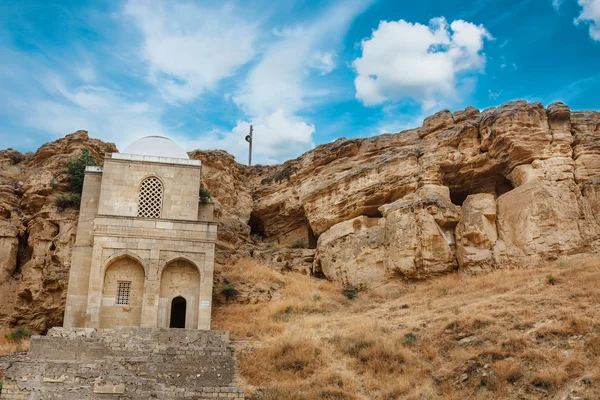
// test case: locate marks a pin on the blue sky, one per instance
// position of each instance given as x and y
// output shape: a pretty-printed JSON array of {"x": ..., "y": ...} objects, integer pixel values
[{"x": 302, "y": 72}]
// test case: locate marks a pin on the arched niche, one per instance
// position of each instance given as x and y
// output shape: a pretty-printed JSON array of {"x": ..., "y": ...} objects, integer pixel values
[
  {"x": 180, "y": 279},
  {"x": 122, "y": 293}
]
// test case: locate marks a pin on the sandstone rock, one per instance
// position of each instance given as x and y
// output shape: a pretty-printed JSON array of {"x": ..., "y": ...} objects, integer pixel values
[
  {"x": 515, "y": 185},
  {"x": 352, "y": 253},
  {"x": 36, "y": 239},
  {"x": 540, "y": 220},
  {"x": 476, "y": 233}
]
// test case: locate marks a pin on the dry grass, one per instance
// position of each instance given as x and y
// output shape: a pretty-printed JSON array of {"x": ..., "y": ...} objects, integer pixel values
[
  {"x": 7, "y": 346},
  {"x": 14, "y": 172},
  {"x": 504, "y": 335}
]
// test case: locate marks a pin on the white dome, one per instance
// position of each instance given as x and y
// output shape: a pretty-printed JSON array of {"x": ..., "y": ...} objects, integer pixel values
[{"x": 159, "y": 146}]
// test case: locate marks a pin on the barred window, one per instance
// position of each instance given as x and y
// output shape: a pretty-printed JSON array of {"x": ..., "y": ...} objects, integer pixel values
[
  {"x": 150, "y": 201},
  {"x": 123, "y": 292}
]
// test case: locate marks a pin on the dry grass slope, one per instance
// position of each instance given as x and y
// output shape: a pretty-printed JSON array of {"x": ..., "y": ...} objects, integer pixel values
[
  {"x": 511, "y": 334},
  {"x": 8, "y": 346}
]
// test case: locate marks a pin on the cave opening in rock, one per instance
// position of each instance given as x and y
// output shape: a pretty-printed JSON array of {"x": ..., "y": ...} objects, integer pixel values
[
  {"x": 372, "y": 212},
  {"x": 458, "y": 198},
  {"x": 312, "y": 238},
  {"x": 504, "y": 187},
  {"x": 256, "y": 225},
  {"x": 24, "y": 252}
]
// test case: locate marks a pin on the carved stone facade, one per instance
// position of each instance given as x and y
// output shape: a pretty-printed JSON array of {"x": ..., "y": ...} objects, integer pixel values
[{"x": 145, "y": 245}]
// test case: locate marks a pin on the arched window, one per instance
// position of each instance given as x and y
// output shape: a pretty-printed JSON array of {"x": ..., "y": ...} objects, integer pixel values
[{"x": 150, "y": 201}]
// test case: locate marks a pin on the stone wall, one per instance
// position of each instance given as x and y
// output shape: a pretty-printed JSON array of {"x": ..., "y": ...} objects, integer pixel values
[{"x": 125, "y": 363}]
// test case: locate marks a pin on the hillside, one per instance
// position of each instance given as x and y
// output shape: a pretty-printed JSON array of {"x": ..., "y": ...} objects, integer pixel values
[
  {"x": 471, "y": 191},
  {"x": 510, "y": 334}
]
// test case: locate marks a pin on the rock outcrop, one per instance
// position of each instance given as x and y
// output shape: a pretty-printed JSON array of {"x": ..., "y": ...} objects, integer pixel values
[
  {"x": 469, "y": 191},
  {"x": 36, "y": 238}
]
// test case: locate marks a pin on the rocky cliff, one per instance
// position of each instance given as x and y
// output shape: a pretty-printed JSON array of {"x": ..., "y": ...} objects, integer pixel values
[{"x": 472, "y": 191}]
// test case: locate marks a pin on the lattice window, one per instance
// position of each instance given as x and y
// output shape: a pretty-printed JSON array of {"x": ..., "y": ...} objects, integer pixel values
[
  {"x": 123, "y": 292},
  {"x": 150, "y": 202}
]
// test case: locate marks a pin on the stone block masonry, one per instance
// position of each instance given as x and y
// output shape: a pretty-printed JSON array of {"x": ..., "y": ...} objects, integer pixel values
[{"x": 125, "y": 364}]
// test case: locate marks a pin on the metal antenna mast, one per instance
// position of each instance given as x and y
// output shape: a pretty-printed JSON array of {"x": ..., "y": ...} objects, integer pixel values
[{"x": 249, "y": 140}]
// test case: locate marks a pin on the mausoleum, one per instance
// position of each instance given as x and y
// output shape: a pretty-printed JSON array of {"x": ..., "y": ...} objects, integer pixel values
[{"x": 144, "y": 250}]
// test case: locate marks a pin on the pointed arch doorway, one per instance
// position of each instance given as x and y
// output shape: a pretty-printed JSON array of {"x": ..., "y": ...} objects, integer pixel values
[
  {"x": 179, "y": 294},
  {"x": 178, "y": 309}
]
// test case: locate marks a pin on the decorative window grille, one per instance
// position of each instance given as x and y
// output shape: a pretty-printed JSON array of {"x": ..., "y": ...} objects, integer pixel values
[
  {"x": 123, "y": 292},
  {"x": 150, "y": 201}
]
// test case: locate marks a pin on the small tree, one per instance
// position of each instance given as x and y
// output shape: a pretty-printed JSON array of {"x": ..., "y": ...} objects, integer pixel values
[{"x": 76, "y": 170}]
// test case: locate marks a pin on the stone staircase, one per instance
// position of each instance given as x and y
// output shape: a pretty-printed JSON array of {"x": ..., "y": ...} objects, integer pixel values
[{"x": 125, "y": 363}]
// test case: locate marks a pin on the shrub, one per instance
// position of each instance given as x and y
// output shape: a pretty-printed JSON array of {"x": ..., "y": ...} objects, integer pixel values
[
  {"x": 67, "y": 200},
  {"x": 409, "y": 339},
  {"x": 17, "y": 334},
  {"x": 204, "y": 196},
  {"x": 299, "y": 244},
  {"x": 551, "y": 280},
  {"x": 15, "y": 157},
  {"x": 76, "y": 170},
  {"x": 1, "y": 383},
  {"x": 285, "y": 173},
  {"x": 350, "y": 291},
  {"x": 229, "y": 291},
  {"x": 54, "y": 183}
]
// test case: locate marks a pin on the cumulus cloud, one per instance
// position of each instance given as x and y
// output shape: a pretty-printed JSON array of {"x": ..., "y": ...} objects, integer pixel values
[
  {"x": 281, "y": 83},
  {"x": 404, "y": 60},
  {"x": 277, "y": 137},
  {"x": 189, "y": 48},
  {"x": 590, "y": 14},
  {"x": 282, "y": 76}
]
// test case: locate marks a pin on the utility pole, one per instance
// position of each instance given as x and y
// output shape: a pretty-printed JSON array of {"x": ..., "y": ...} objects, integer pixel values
[{"x": 249, "y": 140}]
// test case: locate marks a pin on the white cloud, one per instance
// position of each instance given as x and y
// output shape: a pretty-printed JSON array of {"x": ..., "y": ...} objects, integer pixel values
[
  {"x": 494, "y": 95},
  {"x": 190, "y": 48},
  {"x": 324, "y": 62},
  {"x": 276, "y": 138},
  {"x": 282, "y": 83},
  {"x": 282, "y": 77},
  {"x": 425, "y": 63},
  {"x": 590, "y": 14},
  {"x": 557, "y": 3},
  {"x": 102, "y": 112}
]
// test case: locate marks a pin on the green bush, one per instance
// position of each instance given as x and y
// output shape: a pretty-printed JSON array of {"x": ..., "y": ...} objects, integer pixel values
[
  {"x": 67, "y": 200},
  {"x": 76, "y": 170},
  {"x": 299, "y": 244},
  {"x": 17, "y": 334},
  {"x": 229, "y": 291},
  {"x": 350, "y": 291},
  {"x": 54, "y": 183},
  {"x": 204, "y": 195},
  {"x": 1, "y": 383}
]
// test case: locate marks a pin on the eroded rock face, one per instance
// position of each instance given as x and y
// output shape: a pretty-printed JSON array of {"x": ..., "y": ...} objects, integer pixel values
[
  {"x": 36, "y": 238},
  {"x": 472, "y": 191},
  {"x": 523, "y": 180},
  {"x": 476, "y": 233}
]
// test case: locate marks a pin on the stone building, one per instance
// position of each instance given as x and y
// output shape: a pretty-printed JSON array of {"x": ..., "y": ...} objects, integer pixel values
[{"x": 144, "y": 250}]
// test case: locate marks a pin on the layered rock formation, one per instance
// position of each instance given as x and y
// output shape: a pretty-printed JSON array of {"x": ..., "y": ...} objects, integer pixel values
[
  {"x": 470, "y": 191},
  {"x": 510, "y": 186},
  {"x": 36, "y": 238}
]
